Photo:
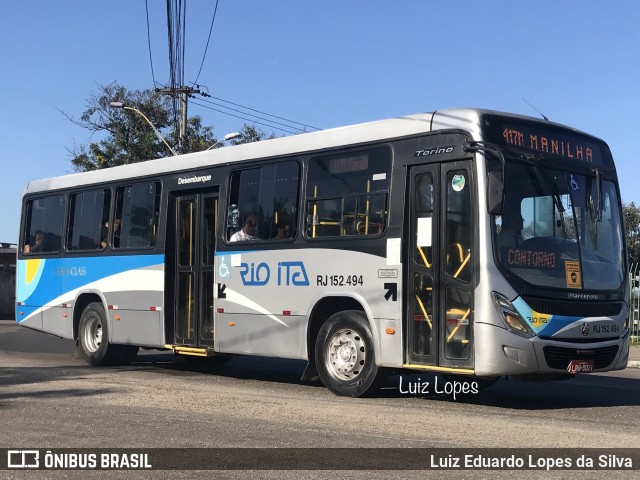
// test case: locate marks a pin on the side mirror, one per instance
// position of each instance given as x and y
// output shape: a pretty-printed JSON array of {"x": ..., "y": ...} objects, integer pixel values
[{"x": 495, "y": 193}]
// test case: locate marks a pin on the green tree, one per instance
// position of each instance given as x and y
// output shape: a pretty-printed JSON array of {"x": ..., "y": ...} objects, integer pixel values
[
  {"x": 127, "y": 137},
  {"x": 631, "y": 215},
  {"x": 250, "y": 133}
]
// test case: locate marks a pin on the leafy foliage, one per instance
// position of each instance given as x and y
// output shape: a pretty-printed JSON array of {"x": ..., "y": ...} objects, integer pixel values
[
  {"x": 631, "y": 215},
  {"x": 128, "y": 138},
  {"x": 249, "y": 133}
]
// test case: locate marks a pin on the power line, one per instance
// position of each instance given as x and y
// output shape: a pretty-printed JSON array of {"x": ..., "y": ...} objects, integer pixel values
[
  {"x": 258, "y": 117},
  {"x": 264, "y": 113},
  {"x": 179, "y": 93},
  {"x": 208, "y": 39},
  {"x": 246, "y": 119},
  {"x": 153, "y": 76}
]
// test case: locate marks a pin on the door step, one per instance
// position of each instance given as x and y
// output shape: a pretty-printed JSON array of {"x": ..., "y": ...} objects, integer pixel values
[{"x": 193, "y": 351}]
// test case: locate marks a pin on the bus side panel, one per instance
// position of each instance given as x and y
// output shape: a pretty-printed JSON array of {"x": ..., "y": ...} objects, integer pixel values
[
  {"x": 131, "y": 283},
  {"x": 135, "y": 308},
  {"x": 264, "y": 298},
  {"x": 135, "y": 327},
  {"x": 38, "y": 290},
  {"x": 28, "y": 275},
  {"x": 267, "y": 334}
]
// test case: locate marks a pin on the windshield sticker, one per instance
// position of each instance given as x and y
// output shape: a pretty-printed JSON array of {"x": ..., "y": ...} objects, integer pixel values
[
  {"x": 457, "y": 183},
  {"x": 572, "y": 270}
]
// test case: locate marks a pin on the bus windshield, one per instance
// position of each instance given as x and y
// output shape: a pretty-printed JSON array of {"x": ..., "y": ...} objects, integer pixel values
[{"x": 559, "y": 228}]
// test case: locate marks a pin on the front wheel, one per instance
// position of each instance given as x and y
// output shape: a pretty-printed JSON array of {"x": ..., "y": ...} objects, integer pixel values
[{"x": 345, "y": 357}]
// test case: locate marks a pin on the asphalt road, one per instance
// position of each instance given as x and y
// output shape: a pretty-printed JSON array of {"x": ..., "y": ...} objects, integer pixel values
[{"x": 49, "y": 399}]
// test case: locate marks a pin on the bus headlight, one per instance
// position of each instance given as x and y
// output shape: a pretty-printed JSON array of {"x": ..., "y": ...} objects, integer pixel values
[{"x": 510, "y": 316}]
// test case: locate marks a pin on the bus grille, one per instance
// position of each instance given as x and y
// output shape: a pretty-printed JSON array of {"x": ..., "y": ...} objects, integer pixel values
[
  {"x": 574, "y": 309},
  {"x": 559, "y": 357}
]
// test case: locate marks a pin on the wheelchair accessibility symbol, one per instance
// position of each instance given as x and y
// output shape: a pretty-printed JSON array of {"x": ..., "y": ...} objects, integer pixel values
[
  {"x": 574, "y": 184},
  {"x": 223, "y": 269}
]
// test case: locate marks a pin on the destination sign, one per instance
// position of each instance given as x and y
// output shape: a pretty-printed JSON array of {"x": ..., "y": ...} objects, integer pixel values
[
  {"x": 533, "y": 140},
  {"x": 539, "y": 138},
  {"x": 348, "y": 164},
  {"x": 529, "y": 258}
]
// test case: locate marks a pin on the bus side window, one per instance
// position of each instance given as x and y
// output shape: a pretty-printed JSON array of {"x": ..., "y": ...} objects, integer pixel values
[
  {"x": 43, "y": 229},
  {"x": 136, "y": 218},
  {"x": 347, "y": 194},
  {"x": 262, "y": 201},
  {"x": 88, "y": 217}
]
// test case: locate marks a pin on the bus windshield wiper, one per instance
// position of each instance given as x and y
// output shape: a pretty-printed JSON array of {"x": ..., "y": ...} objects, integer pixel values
[
  {"x": 558, "y": 203},
  {"x": 596, "y": 206}
]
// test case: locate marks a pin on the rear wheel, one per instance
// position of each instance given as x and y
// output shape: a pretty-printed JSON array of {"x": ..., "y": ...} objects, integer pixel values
[
  {"x": 345, "y": 357},
  {"x": 93, "y": 336}
]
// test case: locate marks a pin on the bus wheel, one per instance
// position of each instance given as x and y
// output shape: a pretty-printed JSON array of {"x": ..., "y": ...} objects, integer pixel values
[
  {"x": 345, "y": 357},
  {"x": 93, "y": 336}
]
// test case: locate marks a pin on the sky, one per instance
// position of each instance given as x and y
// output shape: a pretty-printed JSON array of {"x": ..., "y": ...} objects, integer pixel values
[{"x": 323, "y": 63}]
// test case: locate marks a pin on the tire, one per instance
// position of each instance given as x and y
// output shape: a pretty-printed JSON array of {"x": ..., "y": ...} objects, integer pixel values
[
  {"x": 93, "y": 337},
  {"x": 345, "y": 356}
]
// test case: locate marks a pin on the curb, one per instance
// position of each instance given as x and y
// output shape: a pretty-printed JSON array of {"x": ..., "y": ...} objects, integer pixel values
[{"x": 633, "y": 364}]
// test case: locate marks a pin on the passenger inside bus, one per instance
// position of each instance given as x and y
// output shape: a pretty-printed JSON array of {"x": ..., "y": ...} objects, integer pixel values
[
  {"x": 510, "y": 235},
  {"x": 116, "y": 233},
  {"x": 283, "y": 230},
  {"x": 37, "y": 245},
  {"x": 104, "y": 235},
  {"x": 248, "y": 231}
]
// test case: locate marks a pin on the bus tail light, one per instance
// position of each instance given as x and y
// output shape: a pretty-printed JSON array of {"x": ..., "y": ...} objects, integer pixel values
[{"x": 510, "y": 316}]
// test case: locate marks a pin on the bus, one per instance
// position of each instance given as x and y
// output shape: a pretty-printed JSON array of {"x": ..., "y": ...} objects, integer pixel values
[{"x": 461, "y": 242}]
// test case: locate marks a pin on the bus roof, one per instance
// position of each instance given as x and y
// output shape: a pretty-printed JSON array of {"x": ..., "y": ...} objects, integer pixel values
[{"x": 463, "y": 119}]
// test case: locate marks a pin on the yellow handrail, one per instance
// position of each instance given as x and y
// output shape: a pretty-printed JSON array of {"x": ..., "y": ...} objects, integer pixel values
[
  {"x": 424, "y": 258},
  {"x": 453, "y": 332},
  {"x": 424, "y": 311},
  {"x": 466, "y": 260},
  {"x": 315, "y": 212}
]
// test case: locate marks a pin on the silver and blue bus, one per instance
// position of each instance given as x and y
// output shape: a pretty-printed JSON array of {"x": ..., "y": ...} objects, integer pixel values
[{"x": 461, "y": 242}]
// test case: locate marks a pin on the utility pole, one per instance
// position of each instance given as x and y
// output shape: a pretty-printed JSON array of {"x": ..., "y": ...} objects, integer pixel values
[
  {"x": 182, "y": 138},
  {"x": 183, "y": 92}
]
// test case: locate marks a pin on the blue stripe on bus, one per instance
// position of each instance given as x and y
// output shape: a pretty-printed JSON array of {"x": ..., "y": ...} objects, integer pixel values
[
  {"x": 40, "y": 281},
  {"x": 542, "y": 323}
]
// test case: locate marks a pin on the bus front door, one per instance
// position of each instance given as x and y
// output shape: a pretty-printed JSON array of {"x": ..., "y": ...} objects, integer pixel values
[
  {"x": 195, "y": 234},
  {"x": 440, "y": 276}
]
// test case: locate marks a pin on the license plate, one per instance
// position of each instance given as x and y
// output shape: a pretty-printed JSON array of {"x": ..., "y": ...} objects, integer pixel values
[{"x": 580, "y": 366}]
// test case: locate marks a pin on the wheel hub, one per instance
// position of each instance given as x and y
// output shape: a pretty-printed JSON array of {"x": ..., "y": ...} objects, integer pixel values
[
  {"x": 93, "y": 335},
  {"x": 346, "y": 354}
]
